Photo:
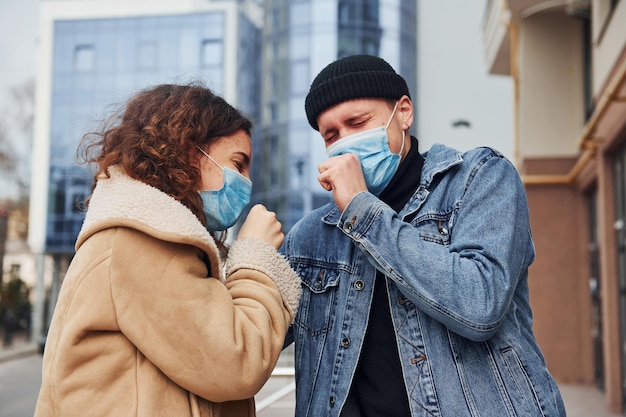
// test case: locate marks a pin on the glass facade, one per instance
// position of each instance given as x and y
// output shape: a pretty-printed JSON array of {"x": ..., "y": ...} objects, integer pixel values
[
  {"x": 99, "y": 63},
  {"x": 301, "y": 37}
]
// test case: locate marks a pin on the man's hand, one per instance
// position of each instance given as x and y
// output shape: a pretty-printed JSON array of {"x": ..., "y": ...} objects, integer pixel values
[{"x": 343, "y": 176}]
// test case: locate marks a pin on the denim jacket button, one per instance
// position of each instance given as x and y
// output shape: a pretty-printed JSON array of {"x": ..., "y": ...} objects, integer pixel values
[
  {"x": 345, "y": 342},
  {"x": 332, "y": 401},
  {"x": 359, "y": 284},
  {"x": 348, "y": 227}
]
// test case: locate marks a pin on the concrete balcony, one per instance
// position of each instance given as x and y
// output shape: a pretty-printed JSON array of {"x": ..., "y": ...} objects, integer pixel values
[
  {"x": 497, "y": 18},
  {"x": 496, "y": 37}
]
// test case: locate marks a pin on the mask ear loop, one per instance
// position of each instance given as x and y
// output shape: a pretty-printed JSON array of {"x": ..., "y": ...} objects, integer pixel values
[
  {"x": 402, "y": 147},
  {"x": 392, "y": 114},
  {"x": 389, "y": 122},
  {"x": 221, "y": 167},
  {"x": 209, "y": 156}
]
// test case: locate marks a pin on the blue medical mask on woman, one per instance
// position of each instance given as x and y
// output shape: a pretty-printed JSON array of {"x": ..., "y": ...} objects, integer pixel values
[
  {"x": 223, "y": 207},
  {"x": 379, "y": 164}
]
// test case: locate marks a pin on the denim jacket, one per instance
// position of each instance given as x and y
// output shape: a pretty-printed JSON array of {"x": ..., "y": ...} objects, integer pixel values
[{"x": 458, "y": 293}]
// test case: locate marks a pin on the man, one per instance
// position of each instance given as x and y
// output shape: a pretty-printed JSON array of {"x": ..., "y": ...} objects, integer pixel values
[{"x": 415, "y": 297}]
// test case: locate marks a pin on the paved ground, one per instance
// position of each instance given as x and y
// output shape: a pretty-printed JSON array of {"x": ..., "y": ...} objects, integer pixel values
[
  {"x": 276, "y": 399},
  {"x": 18, "y": 348},
  {"x": 580, "y": 401}
]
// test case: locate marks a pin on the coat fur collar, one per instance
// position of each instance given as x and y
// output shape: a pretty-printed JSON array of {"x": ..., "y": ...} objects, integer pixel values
[{"x": 123, "y": 201}]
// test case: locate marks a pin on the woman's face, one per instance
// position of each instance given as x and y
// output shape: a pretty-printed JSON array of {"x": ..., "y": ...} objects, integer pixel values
[{"x": 233, "y": 151}]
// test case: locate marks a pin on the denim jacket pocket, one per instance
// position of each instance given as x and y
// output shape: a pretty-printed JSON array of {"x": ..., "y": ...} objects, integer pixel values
[
  {"x": 319, "y": 289},
  {"x": 434, "y": 228},
  {"x": 523, "y": 395}
]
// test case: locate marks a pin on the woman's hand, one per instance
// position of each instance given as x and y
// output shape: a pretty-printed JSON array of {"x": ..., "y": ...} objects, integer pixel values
[{"x": 262, "y": 224}]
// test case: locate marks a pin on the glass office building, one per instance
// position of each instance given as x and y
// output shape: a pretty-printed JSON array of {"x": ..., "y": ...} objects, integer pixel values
[
  {"x": 300, "y": 38},
  {"x": 98, "y": 63}
]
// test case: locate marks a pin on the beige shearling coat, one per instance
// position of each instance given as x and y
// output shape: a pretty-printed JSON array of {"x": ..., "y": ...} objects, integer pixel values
[{"x": 144, "y": 327}]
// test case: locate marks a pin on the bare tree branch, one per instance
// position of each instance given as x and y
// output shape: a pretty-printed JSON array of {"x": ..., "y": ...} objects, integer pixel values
[
  {"x": 7, "y": 152},
  {"x": 16, "y": 134},
  {"x": 24, "y": 95}
]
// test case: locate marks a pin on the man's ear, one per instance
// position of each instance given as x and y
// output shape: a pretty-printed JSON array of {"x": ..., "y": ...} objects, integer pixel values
[{"x": 405, "y": 109}]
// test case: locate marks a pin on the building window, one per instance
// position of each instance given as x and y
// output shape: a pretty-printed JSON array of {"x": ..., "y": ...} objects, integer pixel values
[
  {"x": 273, "y": 108},
  {"x": 147, "y": 55},
  {"x": 371, "y": 45},
  {"x": 275, "y": 17},
  {"x": 274, "y": 145},
  {"x": 345, "y": 13},
  {"x": 300, "y": 14},
  {"x": 84, "y": 57},
  {"x": 300, "y": 77},
  {"x": 212, "y": 53},
  {"x": 620, "y": 235},
  {"x": 370, "y": 11}
]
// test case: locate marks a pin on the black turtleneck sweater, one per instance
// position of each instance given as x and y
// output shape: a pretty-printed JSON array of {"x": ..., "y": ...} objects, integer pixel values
[{"x": 378, "y": 386}]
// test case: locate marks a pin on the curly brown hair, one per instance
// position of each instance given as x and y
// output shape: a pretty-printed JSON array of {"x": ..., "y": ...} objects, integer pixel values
[{"x": 154, "y": 138}]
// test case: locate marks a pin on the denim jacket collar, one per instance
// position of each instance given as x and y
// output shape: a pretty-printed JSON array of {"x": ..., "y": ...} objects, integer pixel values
[{"x": 439, "y": 158}]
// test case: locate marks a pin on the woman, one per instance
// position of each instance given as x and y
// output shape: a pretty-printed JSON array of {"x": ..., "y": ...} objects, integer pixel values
[{"x": 145, "y": 324}]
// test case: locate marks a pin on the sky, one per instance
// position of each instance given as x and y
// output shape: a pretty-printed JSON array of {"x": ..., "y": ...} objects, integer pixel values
[
  {"x": 453, "y": 79},
  {"x": 18, "y": 64},
  {"x": 18, "y": 43}
]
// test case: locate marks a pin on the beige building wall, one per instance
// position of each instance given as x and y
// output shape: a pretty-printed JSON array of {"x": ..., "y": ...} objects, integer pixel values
[
  {"x": 551, "y": 105},
  {"x": 566, "y": 57},
  {"x": 609, "y": 40}
]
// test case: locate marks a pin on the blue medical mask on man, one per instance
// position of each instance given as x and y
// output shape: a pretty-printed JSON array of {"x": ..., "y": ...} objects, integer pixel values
[
  {"x": 379, "y": 164},
  {"x": 223, "y": 207}
]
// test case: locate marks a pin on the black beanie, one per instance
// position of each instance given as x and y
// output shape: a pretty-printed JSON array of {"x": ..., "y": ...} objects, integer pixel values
[{"x": 356, "y": 76}]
